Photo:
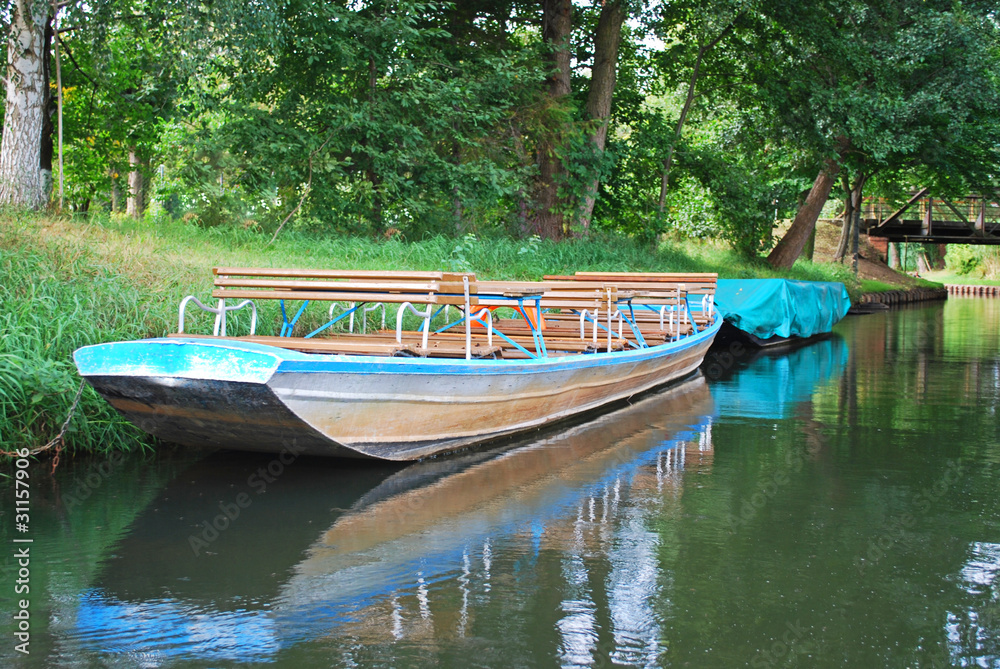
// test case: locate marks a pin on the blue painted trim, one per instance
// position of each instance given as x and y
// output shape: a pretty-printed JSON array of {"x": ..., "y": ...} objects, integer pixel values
[
  {"x": 513, "y": 343},
  {"x": 182, "y": 358},
  {"x": 687, "y": 306}
]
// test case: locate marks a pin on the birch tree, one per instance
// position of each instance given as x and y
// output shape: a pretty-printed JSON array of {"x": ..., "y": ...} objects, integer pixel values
[{"x": 21, "y": 177}]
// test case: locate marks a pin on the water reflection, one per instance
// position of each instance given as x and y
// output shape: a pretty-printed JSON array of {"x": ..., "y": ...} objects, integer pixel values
[
  {"x": 382, "y": 554},
  {"x": 974, "y": 634},
  {"x": 770, "y": 384},
  {"x": 836, "y": 507}
]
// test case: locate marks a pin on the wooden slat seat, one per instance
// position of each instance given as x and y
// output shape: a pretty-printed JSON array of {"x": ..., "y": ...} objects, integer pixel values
[
  {"x": 342, "y": 285},
  {"x": 693, "y": 284},
  {"x": 349, "y": 274},
  {"x": 562, "y": 298},
  {"x": 437, "y": 346}
]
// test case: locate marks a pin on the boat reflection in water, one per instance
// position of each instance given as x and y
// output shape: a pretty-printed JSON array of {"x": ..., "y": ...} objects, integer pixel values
[
  {"x": 442, "y": 556},
  {"x": 771, "y": 384}
]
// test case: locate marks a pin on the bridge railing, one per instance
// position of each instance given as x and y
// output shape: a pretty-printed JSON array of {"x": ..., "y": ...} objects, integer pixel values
[{"x": 942, "y": 210}]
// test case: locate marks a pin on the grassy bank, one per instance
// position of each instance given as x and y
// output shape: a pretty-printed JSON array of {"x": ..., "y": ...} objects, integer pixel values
[
  {"x": 945, "y": 276},
  {"x": 65, "y": 283}
]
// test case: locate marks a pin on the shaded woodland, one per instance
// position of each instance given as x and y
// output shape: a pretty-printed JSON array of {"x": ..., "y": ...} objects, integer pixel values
[{"x": 397, "y": 118}]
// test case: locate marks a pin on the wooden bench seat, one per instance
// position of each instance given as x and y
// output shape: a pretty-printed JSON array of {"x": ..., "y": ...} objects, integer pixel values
[
  {"x": 657, "y": 289},
  {"x": 561, "y": 298},
  {"x": 437, "y": 346},
  {"x": 695, "y": 285},
  {"x": 343, "y": 285}
]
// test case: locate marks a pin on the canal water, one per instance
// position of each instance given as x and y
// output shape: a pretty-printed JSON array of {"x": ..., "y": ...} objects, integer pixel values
[{"x": 832, "y": 506}]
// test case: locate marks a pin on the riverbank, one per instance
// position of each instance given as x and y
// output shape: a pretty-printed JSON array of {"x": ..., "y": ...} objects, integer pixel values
[{"x": 66, "y": 282}]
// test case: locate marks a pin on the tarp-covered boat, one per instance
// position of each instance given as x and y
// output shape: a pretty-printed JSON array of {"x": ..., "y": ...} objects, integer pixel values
[{"x": 776, "y": 311}]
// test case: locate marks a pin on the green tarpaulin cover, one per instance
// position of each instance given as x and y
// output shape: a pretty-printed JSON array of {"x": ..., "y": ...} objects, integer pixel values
[{"x": 781, "y": 307}]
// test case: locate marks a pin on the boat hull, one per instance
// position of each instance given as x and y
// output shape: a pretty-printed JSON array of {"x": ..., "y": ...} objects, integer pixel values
[{"x": 238, "y": 395}]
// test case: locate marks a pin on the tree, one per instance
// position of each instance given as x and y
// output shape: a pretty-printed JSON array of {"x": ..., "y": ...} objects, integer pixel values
[
  {"x": 694, "y": 33},
  {"x": 790, "y": 246},
  {"x": 878, "y": 86},
  {"x": 607, "y": 39},
  {"x": 556, "y": 32},
  {"x": 21, "y": 182}
]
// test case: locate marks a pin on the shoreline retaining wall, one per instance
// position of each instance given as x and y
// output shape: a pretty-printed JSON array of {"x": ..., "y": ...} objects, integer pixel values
[
  {"x": 973, "y": 291},
  {"x": 892, "y": 297}
]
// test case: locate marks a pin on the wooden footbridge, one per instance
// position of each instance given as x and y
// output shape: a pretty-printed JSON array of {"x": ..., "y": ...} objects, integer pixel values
[{"x": 924, "y": 218}]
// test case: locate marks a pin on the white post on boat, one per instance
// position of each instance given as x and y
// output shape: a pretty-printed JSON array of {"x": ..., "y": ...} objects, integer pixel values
[
  {"x": 684, "y": 311},
  {"x": 468, "y": 318},
  {"x": 427, "y": 324},
  {"x": 220, "y": 319},
  {"x": 607, "y": 290},
  {"x": 677, "y": 328}
]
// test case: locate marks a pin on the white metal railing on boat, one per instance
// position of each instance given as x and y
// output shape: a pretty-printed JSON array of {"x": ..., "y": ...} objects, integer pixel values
[
  {"x": 219, "y": 328},
  {"x": 365, "y": 309},
  {"x": 426, "y": 326},
  {"x": 635, "y": 299}
]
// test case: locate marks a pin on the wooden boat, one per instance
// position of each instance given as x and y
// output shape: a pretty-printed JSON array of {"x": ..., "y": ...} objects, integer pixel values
[{"x": 574, "y": 344}]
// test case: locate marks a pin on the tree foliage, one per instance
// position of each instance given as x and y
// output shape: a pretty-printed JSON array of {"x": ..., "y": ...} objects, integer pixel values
[{"x": 413, "y": 117}]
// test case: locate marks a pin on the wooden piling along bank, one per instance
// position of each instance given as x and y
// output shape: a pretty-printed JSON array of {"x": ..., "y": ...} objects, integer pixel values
[
  {"x": 973, "y": 291},
  {"x": 913, "y": 295}
]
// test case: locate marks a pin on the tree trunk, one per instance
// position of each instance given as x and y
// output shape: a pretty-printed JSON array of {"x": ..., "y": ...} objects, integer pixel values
[
  {"x": 845, "y": 229},
  {"x": 688, "y": 102},
  {"x": 602, "y": 87},
  {"x": 788, "y": 249},
  {"x": 45, "y": 156},
  {"x": 556, "y": 27},
  {"x": 852, "y": 203},
  {"x": 810, "y": 248},
  {"x": 939, "y": 263},
  {"x": 135, "y": 204},
  {"x": 21, "y": 181},
  {"x": 373, "y": 176},
  {"x": 923, "y": 267},
  {"x": 116, "y": 193}
]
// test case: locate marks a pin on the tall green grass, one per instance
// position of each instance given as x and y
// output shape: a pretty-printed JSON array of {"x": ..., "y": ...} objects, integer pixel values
[
  {"x": 66, "y": 283},
  {"x": 54, "y": 299}
]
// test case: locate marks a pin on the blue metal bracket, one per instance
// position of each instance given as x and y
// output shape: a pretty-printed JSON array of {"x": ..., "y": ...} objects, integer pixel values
[
  {"x": 331, "y": 323},
  {"x": 286, "y": 327}
]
